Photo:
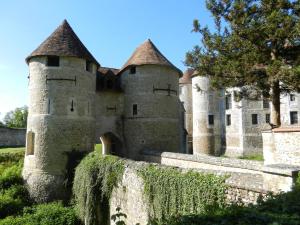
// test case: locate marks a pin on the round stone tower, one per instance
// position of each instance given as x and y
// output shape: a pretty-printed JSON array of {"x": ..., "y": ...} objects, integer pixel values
[
  {"x": 151, "y": 113},
  {"x": 208, "y": 117},
  {"x": 60, "y": 128},
  {"x": 185, "y": 95}
]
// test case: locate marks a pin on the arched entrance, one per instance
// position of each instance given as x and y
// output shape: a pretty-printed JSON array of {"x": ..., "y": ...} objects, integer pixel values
[{"x": 111, "y": 145}]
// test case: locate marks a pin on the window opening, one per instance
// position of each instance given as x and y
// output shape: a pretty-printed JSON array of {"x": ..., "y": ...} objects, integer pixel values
[
  {"x": 211, "y": 120},
  {"x": 228, "y": 120},
  {"x": 134, "y": 109},
  {"x": 53, "y": 61},
  {"x": 254, "y": 119}
]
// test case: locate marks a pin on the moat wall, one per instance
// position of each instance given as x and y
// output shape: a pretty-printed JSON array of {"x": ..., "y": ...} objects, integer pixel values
[{"x": 246, "y": 181}]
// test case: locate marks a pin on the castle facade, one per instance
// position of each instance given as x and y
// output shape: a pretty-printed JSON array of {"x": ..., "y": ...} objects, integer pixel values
[
  {"x": 74, "y": 102},
  {"x": 220, "y": 122}
]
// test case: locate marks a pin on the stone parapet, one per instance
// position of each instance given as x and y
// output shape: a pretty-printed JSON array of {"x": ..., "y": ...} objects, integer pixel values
[{"x": 242, "y": 174}]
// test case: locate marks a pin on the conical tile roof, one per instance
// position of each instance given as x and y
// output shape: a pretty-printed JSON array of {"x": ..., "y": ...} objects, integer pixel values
[
  {"x": 63, "y": 42},
  {"x": 148, "y": 54}
]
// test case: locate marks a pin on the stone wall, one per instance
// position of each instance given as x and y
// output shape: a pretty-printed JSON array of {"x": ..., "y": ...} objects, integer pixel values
[
  {"x": 12, "y": 137},
  {"x": 245, "y": 182},
  {"x": 282, "y": 146}
]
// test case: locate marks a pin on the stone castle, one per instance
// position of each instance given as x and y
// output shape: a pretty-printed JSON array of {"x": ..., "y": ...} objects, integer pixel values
[
  {"x": 219, "y": 122},
  {"x": 74, "y": 102}
]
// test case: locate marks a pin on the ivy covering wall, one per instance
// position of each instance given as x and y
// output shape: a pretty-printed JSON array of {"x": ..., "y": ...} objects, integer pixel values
[
  {"x": 172, "y": 192},
  {"x": 95, "y": 178},
  {"x": 169, "y": 191}
]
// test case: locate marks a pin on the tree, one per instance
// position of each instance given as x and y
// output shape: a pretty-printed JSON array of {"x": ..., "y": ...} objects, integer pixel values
[
  {"x": 17, "y": 118},
  {"x": 256, "y": 43}
]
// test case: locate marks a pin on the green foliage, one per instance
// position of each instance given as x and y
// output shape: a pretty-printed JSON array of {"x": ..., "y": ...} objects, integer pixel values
[
  {"x": 13, "y": 195},
  {"x": 8, "y": 157},
  {"x": 17, "y": 118},
  {"x": 15, "y": 205},
  {"x": 10, "y": 175},
  {"x": 95, "y": 178},
  {"x": 172, "y": 192},
  {"x": 13, "y": 200},
  {"x": 44, "y": 214},
  {"x": 281, "y": 209}
]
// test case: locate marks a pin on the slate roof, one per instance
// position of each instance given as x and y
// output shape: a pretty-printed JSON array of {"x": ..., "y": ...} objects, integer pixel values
[
  {"x": 187, "y": 76},
  {"x": 63, "y": 42},
  {"x": 148, "y": 54}
]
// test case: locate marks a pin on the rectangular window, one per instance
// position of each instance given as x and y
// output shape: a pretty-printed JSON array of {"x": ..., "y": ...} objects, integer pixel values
[
  {"x": 211, "y": 120},
  {"x": 294, "y": 117},
  {"x": 88, "y": 66},
  {"x": 228, "y": 102},
  {"x": 52, "y": 60},
  {"x": 134, "y": 109},
  {"x": 292, "y": 97},
  {"x": 267, "y": 118},
  {"x": 228, "y": 119},
  {"x": 132, "y": 70},
  {"x": 266, "y": 104},
  {"x": 254, "y": 119}
]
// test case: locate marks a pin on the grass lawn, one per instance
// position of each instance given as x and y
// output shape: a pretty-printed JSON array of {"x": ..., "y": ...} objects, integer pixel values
[
  {"x": 253, "y": 157},
  {"x": 12, "y": 150}
]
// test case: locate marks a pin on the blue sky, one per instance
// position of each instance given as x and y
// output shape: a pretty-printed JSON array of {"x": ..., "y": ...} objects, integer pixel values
[{"x": 110, "y": 29}]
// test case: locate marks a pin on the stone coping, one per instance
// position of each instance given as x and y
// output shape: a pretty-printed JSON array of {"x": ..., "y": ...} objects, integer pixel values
[
  {"x": 12, "y": 128},
  {"x": 282, "y": 129},
  {"x": 282, "y": 169},
  {"x": 213, "y": 160},
  {"x": 278, "y": 169},
  {"x": 286, "y": 129}
]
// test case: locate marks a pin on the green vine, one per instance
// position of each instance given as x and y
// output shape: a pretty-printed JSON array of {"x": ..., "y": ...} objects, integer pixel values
[
  {"x": 95, "y": 178},
  {"x": 172, "y": 192}
]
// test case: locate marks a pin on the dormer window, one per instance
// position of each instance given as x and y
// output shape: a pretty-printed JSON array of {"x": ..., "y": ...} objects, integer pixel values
[
  {"x": 88, "y": 66},
  {"x": 132, "y": 70},
  {"x": 53, "y": 61}
]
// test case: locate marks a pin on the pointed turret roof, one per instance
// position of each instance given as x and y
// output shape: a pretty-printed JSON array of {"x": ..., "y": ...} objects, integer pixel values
[
  {"x": 148, "y": 54},
  {"x": 63, "y": 42}
]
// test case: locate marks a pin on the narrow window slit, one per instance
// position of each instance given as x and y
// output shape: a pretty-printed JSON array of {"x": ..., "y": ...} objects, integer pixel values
[{"x": 72, "y": 106}]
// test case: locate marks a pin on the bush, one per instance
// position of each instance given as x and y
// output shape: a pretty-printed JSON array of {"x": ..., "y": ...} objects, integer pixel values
[
  {"x": 13, "y": 200},
  {"x": 44, "y": 214},
  {"x": 11, "y": 175}
]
